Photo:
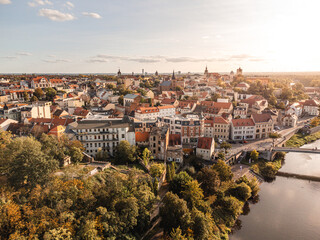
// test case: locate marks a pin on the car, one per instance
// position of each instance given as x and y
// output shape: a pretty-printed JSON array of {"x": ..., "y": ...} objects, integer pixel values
[
  {"x": 232, "y": 142},
  {"x": 244, "y": 141}
]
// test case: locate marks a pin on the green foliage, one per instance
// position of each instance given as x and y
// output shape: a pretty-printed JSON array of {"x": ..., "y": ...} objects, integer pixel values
[
  {"x": 269, "y": 170},
  {"x": 254, "y": 155},
  {"x": 34, "y": 99},
  {"x": 225, "y": 145},
  {"x": 38, "y": 93},
  {"x": 274, "y": 135},
  {"x": 146, "y": 156},
  {"x": 50, "y": 93},
  {"x": 299, "y": 140},
  {"x": 253, "y": 184},
  {"x": 209, "y": 179},
  {"x": 232, "y": 205},
  {"x": 156, "y": 170},
  {"x": 221, "y": 156},
  {"x": 171, "y": 171},
  {"x": 223, "y": 170},
  {"x": 176, "y": 234},
  {"x": 179, "y": 182},
  {"x": 120, "y": 100},
  {"x": 192, "y": 193},
  {"x": 125, "y": 153},
  {"x": 174, "y": 213},
  {"x": 26, "y": 96},
  {"x": 28, "y": 165},
  {"x": 241, "y": 191}
]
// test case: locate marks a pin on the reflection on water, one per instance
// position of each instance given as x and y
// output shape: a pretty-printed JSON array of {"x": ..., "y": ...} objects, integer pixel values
[{"x": 288, "y": 208}]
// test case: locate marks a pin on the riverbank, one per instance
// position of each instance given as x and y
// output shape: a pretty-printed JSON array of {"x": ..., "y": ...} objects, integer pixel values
[{"x": 298, "y": 140}]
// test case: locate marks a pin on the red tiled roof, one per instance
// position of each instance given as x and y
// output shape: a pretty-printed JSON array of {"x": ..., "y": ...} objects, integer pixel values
[
  {"x": 204, "y": 142},
  {"x": 142, "y": 136},
  {"x": 242, "y": 122},
  {"x": 259, "y": 118}
]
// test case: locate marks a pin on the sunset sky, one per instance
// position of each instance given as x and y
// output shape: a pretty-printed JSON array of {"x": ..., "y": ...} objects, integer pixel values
[{"x": 100, "y": 36}]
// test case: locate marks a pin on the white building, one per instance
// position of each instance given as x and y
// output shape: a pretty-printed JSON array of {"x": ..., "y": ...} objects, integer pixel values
[
  {"x": 205, "y": 148},
  {"x": 243, "y": 129},
  {"x": 143, "y": 113},
  {"x": 295, "y": 108},
  {"x": 36, "y": 110},
  {"x": 104, "y": 135},
  {"x": 311, "y": 107}
]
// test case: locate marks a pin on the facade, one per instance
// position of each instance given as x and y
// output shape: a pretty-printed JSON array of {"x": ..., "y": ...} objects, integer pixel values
[
  {"x": 205, "y": 148},
  {"x": 40, "y": 82},
  {"x": 240, "y": 111},
  {"x": 311, "y": 107},
  {"x": 264, "y": 124},
  {"x": 190, "y": 127},
  {"x": 158, "y": 142},
  {"x": 36, "y": 110},
  {"x": 295, "y": 108},
  {"x": 217, "y": 128},
  {"x": 289, "y": 120},
  {"x": 104, "y": 135},
  {"x": 143, "y": 113},
  {"x": 242, "y": 129},
  {"x": 130, "y": 98}
]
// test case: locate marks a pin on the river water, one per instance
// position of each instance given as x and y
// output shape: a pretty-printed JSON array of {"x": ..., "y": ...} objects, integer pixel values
[{"x": 288, "y": 209}]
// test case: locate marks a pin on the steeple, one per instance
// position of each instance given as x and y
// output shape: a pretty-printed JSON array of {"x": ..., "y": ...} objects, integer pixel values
[
  {"x": 119, "y": 73},
  {"x": 156, "y": 73},
  {"x": 206, "y": 71},
  {"x": 173, "y": 77}
]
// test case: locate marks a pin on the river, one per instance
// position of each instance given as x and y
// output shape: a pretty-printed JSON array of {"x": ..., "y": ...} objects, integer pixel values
[{"x": 288, "y": 208}]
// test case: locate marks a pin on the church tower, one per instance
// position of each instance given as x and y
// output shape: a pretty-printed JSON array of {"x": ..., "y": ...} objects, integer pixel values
[
  {"x": 206, "y": 73},
  {"x": 119, "y": 73},
  {"x": 173, "y": 76}
]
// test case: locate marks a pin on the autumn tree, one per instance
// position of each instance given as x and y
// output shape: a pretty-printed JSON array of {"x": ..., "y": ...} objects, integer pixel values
[
  {"x": 254, "y": 155},
  {"x": 223, "y": 170},
  {"x": 125, "y": 153},
  {"x": 38, "y": 93},
  {"x": 209, "y": 179}
]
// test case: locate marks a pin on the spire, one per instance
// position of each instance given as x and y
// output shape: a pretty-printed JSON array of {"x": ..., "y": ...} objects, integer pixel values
[
  {"x": 119, "y": 73},
  {"x": 173, "y": 77},
  {"x": 206, "y": 71}
]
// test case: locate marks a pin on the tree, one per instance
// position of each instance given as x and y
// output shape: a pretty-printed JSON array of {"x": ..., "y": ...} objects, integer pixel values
[
  {"x": 50, "y": 93},
  {"x": 34, "y": 99},
  {"x": 225, "y": 145},
  {"x": 176, "y": 234},
  {"x": 215, "y": 97},
  {"x": 315, "y": 122},
  {"x": 146, "y": 156},
  {"x": 204, "y": 226},
  {"x": 179, "y": 182},
  {"x": 254, "y": 155},
  {"x": 223, "y": 170},
  {"x": 125, "y": 153},
  {"x": 156, "y": 170},
  {"x": 174, "y": 213},
  {"x": 241, "y": 191},
  {"x": 120, "y": 100},
  {"x": 75, "y": 154},
  {"x": 192, "y": 193},
  {"x": 269, "y": 170},
  {"x": 28, "y": 165},
  {"x": 232, "y": 205},
  {"x": 209, "y": 179},
  {"x": 221, "y": 156},
  {"x": 38, "y": 93},
  {"x": 26, "y": 96}
]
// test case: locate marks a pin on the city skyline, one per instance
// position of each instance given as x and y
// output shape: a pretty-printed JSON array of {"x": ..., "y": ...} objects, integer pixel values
[{"x": 100, "y": 37}]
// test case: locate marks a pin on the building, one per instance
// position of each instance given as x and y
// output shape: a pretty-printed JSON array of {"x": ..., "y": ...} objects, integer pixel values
[
  {"x": 205, "y": 148},
  {"x": 255, "y": 103},
  {"x": 143, "y": 113},
  {"x": 295, "y": 108},
  {"x": 4, "y": 123},
  {"x": 264, "y": 124},
  {"x": 40, "y": 82},
  {"x": 217, "y": 127},
  {"x": 131, "y": 98},
  {"x": 104, "y": 135},
  {"x": 289, "y": 120},
  {"x": 243, "y": 86},
  {"x": 240, "y": 111},
  {"x": 158, "y": 142},
  {"x": 36, "y": 110},
  {"x": 311, "y": 107},
  {"x": 239, "y": 71},
  {"x": 242, "y": 129},
  {"x": 175, "y": 150},
  {"x": 190, "y": 127}
]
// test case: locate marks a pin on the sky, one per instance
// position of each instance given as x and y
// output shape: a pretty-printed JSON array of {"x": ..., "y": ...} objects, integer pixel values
[{"x": 101, "y": 36}]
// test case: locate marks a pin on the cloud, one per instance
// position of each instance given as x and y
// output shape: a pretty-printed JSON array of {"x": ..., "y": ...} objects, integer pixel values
[
  {"x": 102, "y": 58},
  {"x": 36, "y": 3},
  {"x": 56, "y": 60},
  {"x": 10, "y": 57},
  {"x": 24, "y": 53},
  {"x": 5, "y": 1},
  {"x": 93, "y": 15},
  {"x": 69, "y": 5},
  {"x": 55, "y": 15}
]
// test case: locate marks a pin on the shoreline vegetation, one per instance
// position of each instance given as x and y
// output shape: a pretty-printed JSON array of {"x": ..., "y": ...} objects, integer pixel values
[{"x": 299, "y": 139}]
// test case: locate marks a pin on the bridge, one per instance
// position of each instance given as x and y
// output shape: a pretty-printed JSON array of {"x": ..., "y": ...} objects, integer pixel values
[{"x": 298, "y": 150}]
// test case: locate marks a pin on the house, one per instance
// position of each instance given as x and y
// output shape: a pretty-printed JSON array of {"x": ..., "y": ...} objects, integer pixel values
[
  {"x": 142, "y": 113},
  {"x": 81, "y": 113},
  {"x": 264, "y": 124},
  {"x": 131, "y": 98},
  {"x": 159, "y": 140},
  {"x": 289, "y": 120},
  {"x": 4, "y": 123},
  {"x": 240, "y": 111},
  {"x": 311, "y": 107},
  {"x": 170, "y": 101},
  {"x": 205, "y": 148},
  {"x": 217, "y": 127},
  {"x": 175, "y": 150},
  {"x": 142, "y": 139},
  {"x": 242, "y": 129},
  {"x": 40, "y": 82},
  {"x": 59, "y": 113},
  {"x": 255, "y": 103},
  {"x": 295, "y": 108},
  {"x": 243, "y": 86},
  {"x": 57, "y": 131}
]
